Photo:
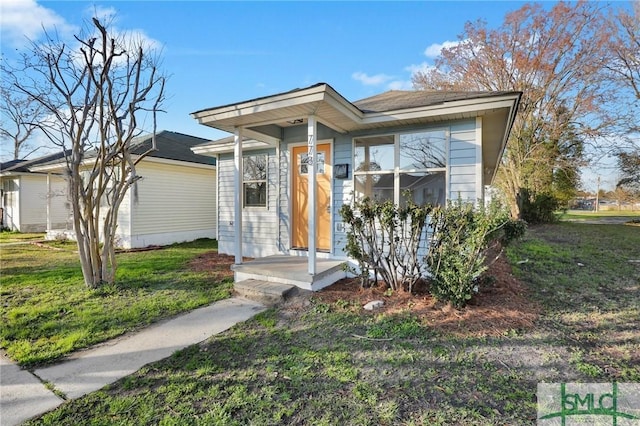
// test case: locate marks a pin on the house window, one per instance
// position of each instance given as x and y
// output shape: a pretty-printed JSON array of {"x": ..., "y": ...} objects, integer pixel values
[
  {"x": 254, "y": 180},
  {"x": 400, "y": 167}
]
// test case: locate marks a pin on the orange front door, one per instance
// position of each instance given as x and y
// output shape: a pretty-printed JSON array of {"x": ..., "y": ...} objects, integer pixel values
[{"x": 300, "y": 199}]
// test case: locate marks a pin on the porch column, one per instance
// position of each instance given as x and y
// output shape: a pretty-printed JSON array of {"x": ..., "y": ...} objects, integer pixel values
[
  {"x": 48, "y": 202},
  {"x": 311, "y": 168},
  {"x": 237, "y": 202}
]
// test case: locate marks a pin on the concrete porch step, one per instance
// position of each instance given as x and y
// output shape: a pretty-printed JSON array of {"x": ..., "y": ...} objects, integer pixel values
[
  {"x": 268, "y": 293},
  {"x": 283, "y": 269}
]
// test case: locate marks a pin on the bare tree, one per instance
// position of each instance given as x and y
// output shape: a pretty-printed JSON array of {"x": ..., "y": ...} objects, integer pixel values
[
  {"x": 19, "y": 119},
  {"x": 94, "y": 96},
  {"x": 556, "y": 57},
  {"x": 625, "y": 46}
]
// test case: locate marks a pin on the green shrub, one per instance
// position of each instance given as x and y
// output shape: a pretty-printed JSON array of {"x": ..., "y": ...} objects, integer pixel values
[
  {"x": 385, "y": 239},
  {"x": 461, "y": 235},
  {"x": 538, "y": 208}
]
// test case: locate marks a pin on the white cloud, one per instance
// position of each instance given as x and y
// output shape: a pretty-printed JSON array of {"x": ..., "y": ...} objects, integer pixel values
[
  {"x": 23, "y": 20},
  {"x": 373, "y": 80},
  {"x": 434, "y": 50},
  {"x": 400, "y": 85},
  {"x": 423, "y": 68}
]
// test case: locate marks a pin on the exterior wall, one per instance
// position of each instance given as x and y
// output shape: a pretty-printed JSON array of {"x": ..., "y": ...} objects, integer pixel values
[
  {"x": 266, "y": 231},
  {"x": 26, "y": 202},
  {"x": 259, "y": 224},
  {"x": 463, "y": 162},
  {"x": 172, "y": 203},
  {"x": 11, "y": 202},
  {"x": 60, "y": 213}
]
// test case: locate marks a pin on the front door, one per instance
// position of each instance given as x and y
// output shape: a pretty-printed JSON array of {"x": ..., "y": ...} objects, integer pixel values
[{"x": 300, "y": 199}]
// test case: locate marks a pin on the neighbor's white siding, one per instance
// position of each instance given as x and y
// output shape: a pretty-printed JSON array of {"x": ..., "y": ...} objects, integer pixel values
[
  {"x": 11, "y": 202},
  {"x": 26, "y": 196},
  {"x": 60, "y": 213},
  {"x": 259, "y": 224},
  {"x": 463, "y": 151},
  {"x": 172, "y": 203}
]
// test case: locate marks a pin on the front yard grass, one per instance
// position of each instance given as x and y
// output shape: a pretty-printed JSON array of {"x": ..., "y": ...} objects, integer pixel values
[
  {"x": 47, "y": 312},
  {"x": 18, "y": 237},
  {"x": 317, "y": 363}
]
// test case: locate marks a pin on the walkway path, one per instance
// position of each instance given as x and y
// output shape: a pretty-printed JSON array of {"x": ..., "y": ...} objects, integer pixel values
[{"x": 23, "y": 395}]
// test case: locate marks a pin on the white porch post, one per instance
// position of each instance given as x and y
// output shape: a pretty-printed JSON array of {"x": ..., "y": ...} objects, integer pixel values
[
  {"x": 237, "y": 202},
  {"x": 311, "y": 167},
  {"x": 48, "y": 202}
]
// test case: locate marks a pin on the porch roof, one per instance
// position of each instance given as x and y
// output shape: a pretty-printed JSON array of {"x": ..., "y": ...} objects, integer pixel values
[{"x": 263, "y": 119}]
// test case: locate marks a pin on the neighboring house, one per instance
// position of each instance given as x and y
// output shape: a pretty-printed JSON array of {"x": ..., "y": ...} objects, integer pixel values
[
  {"x": 32, "y": 202},
  {"x": 174, "y": 201},
  {"x": 432, "y": 146}
]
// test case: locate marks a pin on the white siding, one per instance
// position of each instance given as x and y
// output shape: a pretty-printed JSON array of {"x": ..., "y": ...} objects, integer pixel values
[
  {"x": 259, "y": 224},
  {"x": 11, "y": 203},
  {"x": 174, "y": 203},
  {"x": 33, "y": 203},
  {"x": 60, "y": 213}
]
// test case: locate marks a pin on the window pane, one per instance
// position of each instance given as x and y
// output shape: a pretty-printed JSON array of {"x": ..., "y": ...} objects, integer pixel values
[
  {"x": 423, "y": 150},
  {"x": 422, "y": 188},
  {"x": 255, "y": 194},
  {"x": 303, "y": 162},
  {"x": 254, "y": 167},
  {"x": 373, "y": 154},
  {"x": 376, "y": 186}
]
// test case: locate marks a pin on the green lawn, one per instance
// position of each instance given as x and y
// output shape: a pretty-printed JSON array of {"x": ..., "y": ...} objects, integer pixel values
[
  {"x": 47, "y": 311},
  {"x": 16, "y": 237},
  {"x": 329, "y": 364},
  {"x": 588, "y": 214}
]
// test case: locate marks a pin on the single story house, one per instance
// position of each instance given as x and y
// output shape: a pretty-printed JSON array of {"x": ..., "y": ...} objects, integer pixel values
[
  {"x": 32, "y": 202},
  {"x": 296, "y": 157},
  {"x": 174, "y": 201}
]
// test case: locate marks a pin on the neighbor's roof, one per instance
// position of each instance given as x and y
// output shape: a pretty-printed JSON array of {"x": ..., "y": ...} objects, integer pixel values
[
  {"x": 172, "y": 146},
  {"x": 169, "y": 145},
  {"x": 24, "y": 166}
]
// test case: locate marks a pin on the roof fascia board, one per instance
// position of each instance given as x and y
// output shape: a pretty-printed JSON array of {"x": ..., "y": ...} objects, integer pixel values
[
  {"x": 228, "y": 147},
  {"x": 457, "y": 107},
  {"x": 297, "y": 98},
  {"x": 507, "y": 132}
]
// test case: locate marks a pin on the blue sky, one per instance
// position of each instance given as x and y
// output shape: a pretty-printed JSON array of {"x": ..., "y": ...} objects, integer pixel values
[{"x": 223, "y": 52}]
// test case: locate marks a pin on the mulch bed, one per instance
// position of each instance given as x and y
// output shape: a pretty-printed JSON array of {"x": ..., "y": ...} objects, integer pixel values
[{"x": 498, "y": 308}]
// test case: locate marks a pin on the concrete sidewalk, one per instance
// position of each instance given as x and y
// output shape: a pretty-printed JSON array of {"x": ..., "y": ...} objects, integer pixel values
[{"x": 22, "y": 395}]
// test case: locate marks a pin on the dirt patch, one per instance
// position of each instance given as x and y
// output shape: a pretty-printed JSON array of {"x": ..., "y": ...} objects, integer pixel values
[
  {"x": 500, "y": 307},
  {"x": 214, "y": 263}
]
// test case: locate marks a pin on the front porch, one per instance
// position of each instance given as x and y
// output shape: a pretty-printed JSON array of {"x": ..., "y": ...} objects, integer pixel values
[{"x": 289, "y": 270}]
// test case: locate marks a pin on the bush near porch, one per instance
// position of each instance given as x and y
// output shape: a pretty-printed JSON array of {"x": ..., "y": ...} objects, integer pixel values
[{"x": 402, "y": 245}]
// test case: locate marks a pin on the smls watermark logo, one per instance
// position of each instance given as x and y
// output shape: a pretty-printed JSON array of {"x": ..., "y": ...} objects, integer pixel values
[{"x": 577, "y": 404}]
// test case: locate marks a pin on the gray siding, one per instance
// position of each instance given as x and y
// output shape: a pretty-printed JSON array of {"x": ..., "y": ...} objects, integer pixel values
[
  {"x": 342, "y": 192},
  {"x": 259, "y": 224},
  {"x": 462, "y": 161}
]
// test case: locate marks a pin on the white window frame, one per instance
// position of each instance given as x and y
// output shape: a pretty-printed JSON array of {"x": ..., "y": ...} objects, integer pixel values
[
  {"x": 396, "y": 169},
  {"x": 249, "y": 181}
]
